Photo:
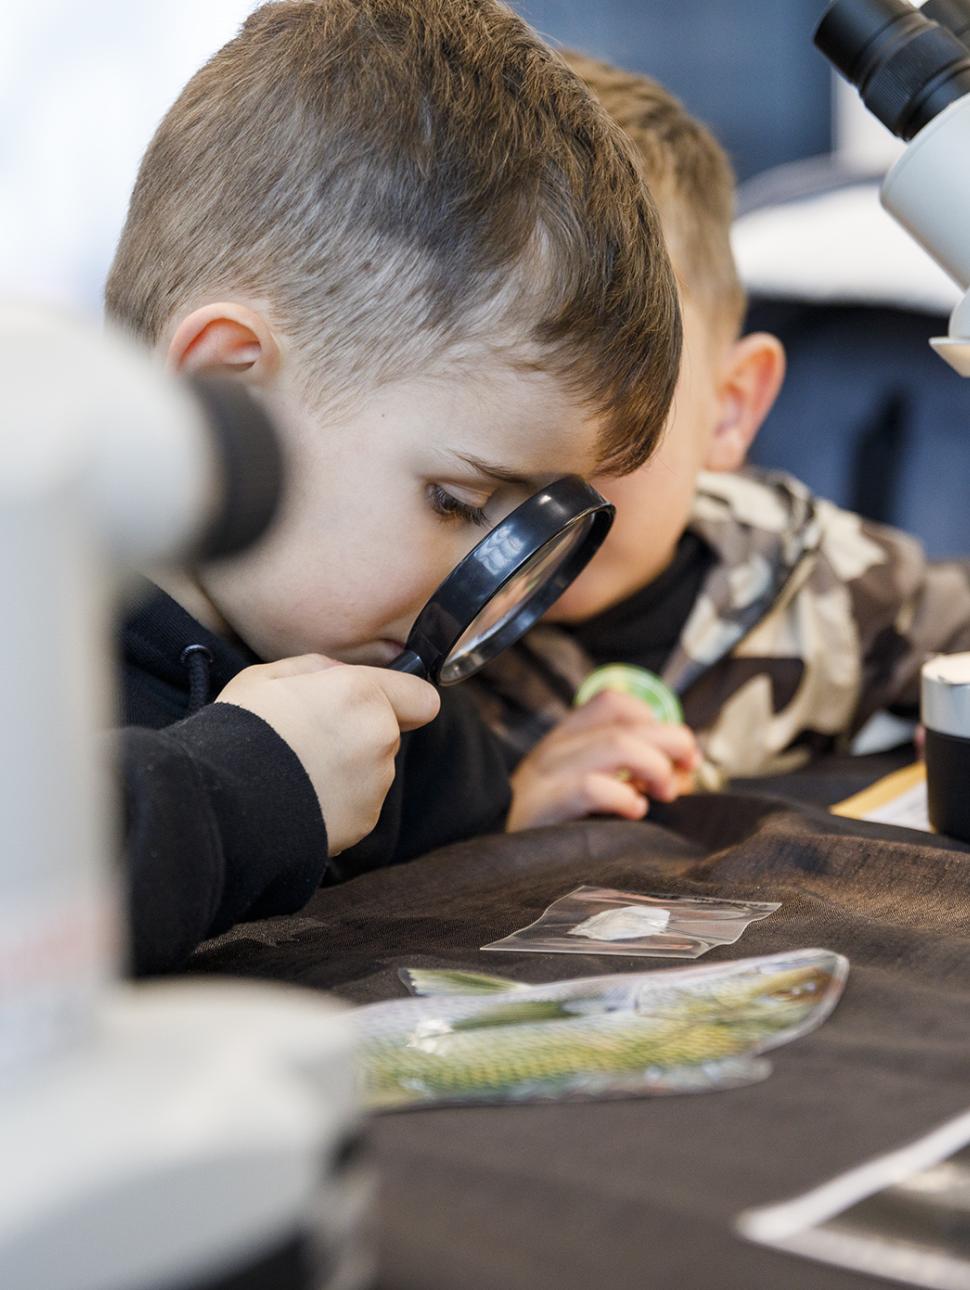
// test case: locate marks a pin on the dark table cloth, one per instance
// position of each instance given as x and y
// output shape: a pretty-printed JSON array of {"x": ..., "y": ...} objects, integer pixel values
[{"x": 641, "y": 1194}]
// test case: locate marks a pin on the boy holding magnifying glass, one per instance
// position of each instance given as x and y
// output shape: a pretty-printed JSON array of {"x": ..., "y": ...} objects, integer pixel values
[{"x": 409, "y": 221}]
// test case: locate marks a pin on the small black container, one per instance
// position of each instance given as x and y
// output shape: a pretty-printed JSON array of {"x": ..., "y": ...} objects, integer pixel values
[{"x": 946, "y": 716}]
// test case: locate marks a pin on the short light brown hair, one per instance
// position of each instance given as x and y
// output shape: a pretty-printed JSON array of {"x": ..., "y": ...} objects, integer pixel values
[
  {"x": 689, "y": 175},
  {"x": 404, "y": 181}
]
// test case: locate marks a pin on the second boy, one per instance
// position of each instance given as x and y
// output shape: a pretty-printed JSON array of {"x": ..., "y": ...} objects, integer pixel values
[{"x": 782, "y": 621}]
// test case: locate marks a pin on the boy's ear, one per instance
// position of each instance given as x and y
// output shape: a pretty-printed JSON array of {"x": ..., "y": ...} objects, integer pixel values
[
  {"x": 225, "y": 339},
  {"x": 750, "y": 380}
]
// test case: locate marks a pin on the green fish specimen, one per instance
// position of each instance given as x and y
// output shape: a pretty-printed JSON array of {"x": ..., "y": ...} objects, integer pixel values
[{"x": 470, "y": 1037}]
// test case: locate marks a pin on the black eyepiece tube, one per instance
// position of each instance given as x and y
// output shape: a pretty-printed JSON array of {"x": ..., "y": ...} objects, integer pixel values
[
  {"x": 906, "y": 67},
  {"x": 250, "y": 466},
  {"x": 952, "y": 14},
  {"x": 851, "y": 30}
]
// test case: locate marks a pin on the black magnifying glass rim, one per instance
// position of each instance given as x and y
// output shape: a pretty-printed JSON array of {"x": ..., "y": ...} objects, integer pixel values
[{"x": 491, "y": 565}]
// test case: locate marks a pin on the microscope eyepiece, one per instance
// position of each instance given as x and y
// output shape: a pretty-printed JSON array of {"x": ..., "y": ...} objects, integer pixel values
[
  {"x": 953, "y": 14},
  {"x": 906, "y": 67},
  {"x": 250, "y": 467}
]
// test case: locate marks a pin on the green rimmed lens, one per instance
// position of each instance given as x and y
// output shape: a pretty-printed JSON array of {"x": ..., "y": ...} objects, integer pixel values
[{"x": 643, "y": 685}]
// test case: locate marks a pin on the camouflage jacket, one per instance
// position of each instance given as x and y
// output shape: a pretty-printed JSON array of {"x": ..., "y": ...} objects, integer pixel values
[{"x": 809, "y": 620}]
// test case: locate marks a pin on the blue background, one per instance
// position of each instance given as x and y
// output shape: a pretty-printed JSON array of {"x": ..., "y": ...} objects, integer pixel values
[{"x": 746, "y": 67}]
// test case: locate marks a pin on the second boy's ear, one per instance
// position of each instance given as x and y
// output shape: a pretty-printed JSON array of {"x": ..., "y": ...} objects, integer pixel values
[
  {"x": 751, "y": 377},
  {"x": 225, "y": 339}
]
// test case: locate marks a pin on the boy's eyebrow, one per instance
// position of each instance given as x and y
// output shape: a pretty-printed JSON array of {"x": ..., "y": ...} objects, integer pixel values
[{"x": 500, "y": 473}]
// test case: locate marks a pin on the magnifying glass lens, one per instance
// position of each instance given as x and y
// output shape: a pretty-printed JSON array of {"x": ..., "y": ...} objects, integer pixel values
[
  {"x": 507, "y": 582},
  {"x": 527, "y": 593}
]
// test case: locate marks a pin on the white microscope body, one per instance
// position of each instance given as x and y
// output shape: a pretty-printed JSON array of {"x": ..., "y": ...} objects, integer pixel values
[
  {"x": 157, "y": 1137},
  {"x": 911, "y": 66},
  {"x": 912, "y": 69},
  {"x": 928, "y": 192}
]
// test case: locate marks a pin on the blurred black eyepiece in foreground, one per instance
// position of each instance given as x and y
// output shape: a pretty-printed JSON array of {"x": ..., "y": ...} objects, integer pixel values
[
  {"x": 250, "y": 462},
  {"x": 906, "y": 67}
]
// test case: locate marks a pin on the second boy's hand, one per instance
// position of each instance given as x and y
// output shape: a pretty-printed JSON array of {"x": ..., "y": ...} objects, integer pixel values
[
  {"x": 344, "y": 723},
  {"x": 607, "y": 758}
]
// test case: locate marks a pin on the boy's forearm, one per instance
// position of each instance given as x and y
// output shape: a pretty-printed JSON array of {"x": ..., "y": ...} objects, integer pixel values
[{"x": 221, "y": 825}]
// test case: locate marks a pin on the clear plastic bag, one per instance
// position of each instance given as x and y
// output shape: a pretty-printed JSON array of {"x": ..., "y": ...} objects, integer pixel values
[{"x": 600, "y": 920}]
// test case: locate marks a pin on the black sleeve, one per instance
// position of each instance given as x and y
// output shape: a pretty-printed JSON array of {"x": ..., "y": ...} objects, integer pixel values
[
  {"x": 451, "y": 784},
  {"x": 222, "y": 825},
  {"x": 456, "y": 779}
]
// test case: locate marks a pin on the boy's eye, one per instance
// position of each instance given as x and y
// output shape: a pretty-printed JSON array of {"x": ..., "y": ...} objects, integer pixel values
[{"x": 449, "y": 507}]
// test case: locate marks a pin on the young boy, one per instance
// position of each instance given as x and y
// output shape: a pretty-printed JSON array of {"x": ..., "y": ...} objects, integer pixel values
[
  {"x": 782, "y": 622},
  {"x": 409, "y": 223}
]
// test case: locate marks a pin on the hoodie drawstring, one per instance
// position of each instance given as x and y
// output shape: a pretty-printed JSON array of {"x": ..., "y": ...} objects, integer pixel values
[{"x": 197, "y": 661}]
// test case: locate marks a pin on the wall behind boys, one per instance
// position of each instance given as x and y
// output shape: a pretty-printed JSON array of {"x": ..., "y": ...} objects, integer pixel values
[
  {"x": 746, "y": 67},
  {"x": 82, "y": 87}
]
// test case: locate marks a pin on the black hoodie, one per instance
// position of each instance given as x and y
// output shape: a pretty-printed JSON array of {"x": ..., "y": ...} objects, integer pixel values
[{"x": 222, "y": 822}]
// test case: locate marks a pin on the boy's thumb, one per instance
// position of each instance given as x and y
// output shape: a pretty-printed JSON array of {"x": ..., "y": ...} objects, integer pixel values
[{"x": 414, "y": 701}]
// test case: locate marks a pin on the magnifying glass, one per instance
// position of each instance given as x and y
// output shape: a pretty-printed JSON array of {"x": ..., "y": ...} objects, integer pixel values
[{"x": 507, "y": 582}]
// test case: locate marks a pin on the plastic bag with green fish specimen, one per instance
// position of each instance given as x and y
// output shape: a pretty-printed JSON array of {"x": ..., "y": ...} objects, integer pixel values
[
  {"x": 473, "y": 1038},
  {"x": 599, "y": 920}
]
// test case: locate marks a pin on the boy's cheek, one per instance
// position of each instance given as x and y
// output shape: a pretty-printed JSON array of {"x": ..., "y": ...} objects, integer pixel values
[{"x": 354, "y": 620}]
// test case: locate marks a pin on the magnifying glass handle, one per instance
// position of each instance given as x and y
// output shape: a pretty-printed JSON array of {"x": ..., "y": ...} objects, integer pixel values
[{"x": 408, "y": 661}]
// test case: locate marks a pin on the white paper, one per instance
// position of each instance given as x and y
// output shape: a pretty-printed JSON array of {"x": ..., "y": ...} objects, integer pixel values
[
  {"x": 909, "y": 810},
  {"x": 827, "y": 1225}
]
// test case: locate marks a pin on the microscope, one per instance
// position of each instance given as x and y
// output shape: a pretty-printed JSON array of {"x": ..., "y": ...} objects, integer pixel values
[
  {"x": 912, "y": 70},
  {"x": 178, "y": 1136},
  {"x": 172, "y": 1136},
  {"x": 911, "y": 67}
]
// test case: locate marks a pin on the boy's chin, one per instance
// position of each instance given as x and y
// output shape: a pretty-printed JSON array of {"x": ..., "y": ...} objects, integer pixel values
[
  {"x": 572, "y": 608},
  {"x": 579, "y": 603}
]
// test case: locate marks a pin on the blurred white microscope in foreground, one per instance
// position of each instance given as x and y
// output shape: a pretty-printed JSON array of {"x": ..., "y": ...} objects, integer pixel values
[{"x": 156, "y": 1137}]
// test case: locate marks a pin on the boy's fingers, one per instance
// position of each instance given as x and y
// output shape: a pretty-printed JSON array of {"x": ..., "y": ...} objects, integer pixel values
[
  {"x": 299, "y": 665},
  {"x": 678, "y": 743},
  {"x": 624, "y": 711},
  {"x": 575, "y": 798},
  {"x": 686, "y": 782},
  {"x": 605, "y": 795},
  {"x": 614, "y": 711},
  {"x": 611, "y": 708},
  {"x": 568, "y": 741},
  {"x": 611, "y": 752},
  {"x": 414, "y": 701},
  {"x": 649, "y": 768}
]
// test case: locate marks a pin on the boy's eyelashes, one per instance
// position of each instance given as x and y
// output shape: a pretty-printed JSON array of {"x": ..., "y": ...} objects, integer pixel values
[{"x": 448, "y": 507}]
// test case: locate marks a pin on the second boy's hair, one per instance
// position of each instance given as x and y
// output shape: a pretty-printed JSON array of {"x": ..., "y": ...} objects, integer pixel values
[
  {"x": 401, "y": 183},
  {"x": 688, "y": 174}
]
